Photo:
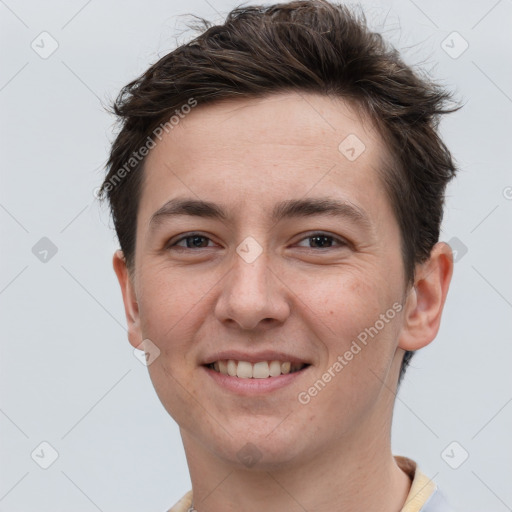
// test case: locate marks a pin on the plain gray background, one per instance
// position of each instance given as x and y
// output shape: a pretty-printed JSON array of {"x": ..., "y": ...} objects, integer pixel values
[{"x": 68, "y": 374}]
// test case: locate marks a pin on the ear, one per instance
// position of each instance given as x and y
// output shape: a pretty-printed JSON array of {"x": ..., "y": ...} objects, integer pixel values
[
  {"x": 425, "y": 302},
  {"x": 131, "y": 306}
]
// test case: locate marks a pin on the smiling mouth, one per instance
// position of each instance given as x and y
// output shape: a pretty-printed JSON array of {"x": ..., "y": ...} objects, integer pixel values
[{"x": 259, "y": 370}]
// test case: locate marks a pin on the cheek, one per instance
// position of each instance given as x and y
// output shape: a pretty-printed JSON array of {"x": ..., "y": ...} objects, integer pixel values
[
  {"x": 358, "y": 318},
  {"x": 360, "y": 331},
  {"x": 345, "y": 301},
  {"x": 170, "y": 306},
  {"x": 170, "y": 302},
  {"x": 173, "y": 388}
]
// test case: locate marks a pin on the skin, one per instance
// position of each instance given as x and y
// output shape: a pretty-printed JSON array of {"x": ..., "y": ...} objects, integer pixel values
[{"x": 333, "y": 453}]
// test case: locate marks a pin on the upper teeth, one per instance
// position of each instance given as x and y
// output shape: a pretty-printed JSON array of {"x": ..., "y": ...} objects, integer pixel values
[{"x": 260, "y": 370}]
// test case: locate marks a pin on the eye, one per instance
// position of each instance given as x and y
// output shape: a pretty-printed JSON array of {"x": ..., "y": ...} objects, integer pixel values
[
  {"x": 324, "y": 241},
  {"x": 192, "y": 241},
  {"x": 318, "y": 240}
]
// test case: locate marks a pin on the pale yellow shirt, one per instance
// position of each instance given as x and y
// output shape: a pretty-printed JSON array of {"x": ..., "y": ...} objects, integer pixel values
[{"x": 422, "y": 490}]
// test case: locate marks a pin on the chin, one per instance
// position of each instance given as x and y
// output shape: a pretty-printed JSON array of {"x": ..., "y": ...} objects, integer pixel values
[{"x": 259, "y": 450}]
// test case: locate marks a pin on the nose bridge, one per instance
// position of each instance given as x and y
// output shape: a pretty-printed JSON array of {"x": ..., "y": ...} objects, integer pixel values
[{"x": 251, "y": 292}]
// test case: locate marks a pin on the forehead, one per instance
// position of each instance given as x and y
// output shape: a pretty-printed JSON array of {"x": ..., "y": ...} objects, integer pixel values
[{"x": 262, "y": 150}]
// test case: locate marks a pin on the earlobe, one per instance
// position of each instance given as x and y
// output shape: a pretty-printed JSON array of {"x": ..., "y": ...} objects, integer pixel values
[
  {"x": 425, "y": 302},
  {"x": 131, "y": 306}
]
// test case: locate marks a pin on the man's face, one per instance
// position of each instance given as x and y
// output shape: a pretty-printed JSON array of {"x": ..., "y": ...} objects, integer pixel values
[{"x": 251, "y": 287}]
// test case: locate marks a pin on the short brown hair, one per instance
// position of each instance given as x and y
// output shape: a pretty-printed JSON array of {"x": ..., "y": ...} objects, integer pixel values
[{"x": 305, "y": 46}]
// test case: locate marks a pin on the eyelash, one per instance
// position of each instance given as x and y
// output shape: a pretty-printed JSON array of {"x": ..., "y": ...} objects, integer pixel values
[{"x": 342, "y": 243}]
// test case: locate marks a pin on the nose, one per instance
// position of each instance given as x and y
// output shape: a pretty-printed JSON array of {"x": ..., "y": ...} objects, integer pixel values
[{"x": 252, "y": 295}]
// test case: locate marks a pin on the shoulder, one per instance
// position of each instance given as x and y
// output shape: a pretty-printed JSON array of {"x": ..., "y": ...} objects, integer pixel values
[
  {"x": 183, "y": 505},
  {"x": 424, "y": 494},
  {"x": 437, "y": 503}
]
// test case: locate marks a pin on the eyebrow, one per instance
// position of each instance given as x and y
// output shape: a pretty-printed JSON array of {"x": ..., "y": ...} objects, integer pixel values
[{"x": 291, "y": 208}]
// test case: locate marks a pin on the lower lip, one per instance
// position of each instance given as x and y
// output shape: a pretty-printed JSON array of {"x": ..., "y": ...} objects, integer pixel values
[{"x": 253, "y": 386}]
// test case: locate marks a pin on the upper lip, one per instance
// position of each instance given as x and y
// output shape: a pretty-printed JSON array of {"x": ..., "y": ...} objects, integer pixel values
[{"x": 255, "y": 357}]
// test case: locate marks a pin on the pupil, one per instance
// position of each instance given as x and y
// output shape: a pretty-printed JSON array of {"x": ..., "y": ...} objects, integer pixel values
[
  {"x": 321, "y": 237},
  {"x": 196, "y": 240}
]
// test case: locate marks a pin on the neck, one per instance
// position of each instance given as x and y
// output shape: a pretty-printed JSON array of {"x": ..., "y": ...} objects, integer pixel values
[{"x": 359, "y": 473}]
